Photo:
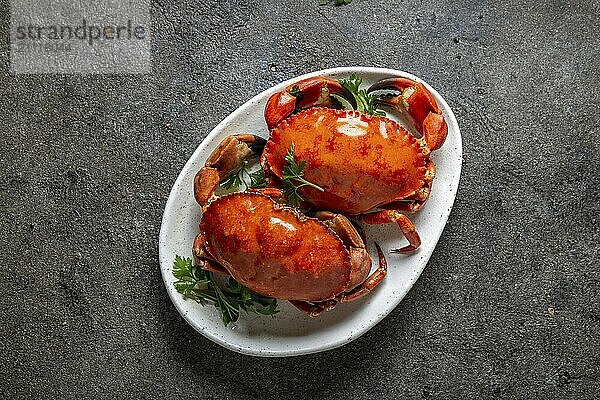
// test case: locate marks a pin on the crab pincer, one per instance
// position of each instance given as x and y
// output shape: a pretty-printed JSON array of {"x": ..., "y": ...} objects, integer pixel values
[
  {"x": 223, "y": 161},
  {"x": 418, "y": 105},
  {"x": 311, "y": 92}
]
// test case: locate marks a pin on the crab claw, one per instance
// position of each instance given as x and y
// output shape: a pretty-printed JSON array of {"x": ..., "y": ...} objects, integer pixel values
[
  {"x": 226, "y": 159},
  {"x": 417, "y": 104},
  {"x": 307, "y": 93}
]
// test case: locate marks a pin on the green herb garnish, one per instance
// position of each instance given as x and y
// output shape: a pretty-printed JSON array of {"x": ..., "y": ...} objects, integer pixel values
[
  {"x": 235, "y": 180},
  {"x": 365, "y": 102},
  {"x": 293, "y": 178},
  {"x": 238, "y": 178},
  {"x": 199, "y": 285},
  {"x": 257, "y": 179},
  {"x": 295, "y": 91}
]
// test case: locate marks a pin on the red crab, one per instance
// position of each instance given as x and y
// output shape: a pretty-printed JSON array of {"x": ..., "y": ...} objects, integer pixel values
[
  {"x": 274, "y": 249},
  {"x": 370, "y": 167}
]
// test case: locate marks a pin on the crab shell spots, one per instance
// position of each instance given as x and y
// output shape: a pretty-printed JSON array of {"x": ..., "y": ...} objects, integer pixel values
[
  {"x": 275, "y": 250},
  {"x": 361, "y": 161}
]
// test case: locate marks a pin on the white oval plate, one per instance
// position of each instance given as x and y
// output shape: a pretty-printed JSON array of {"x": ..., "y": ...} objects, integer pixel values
[{"x": 290, "y": 332}]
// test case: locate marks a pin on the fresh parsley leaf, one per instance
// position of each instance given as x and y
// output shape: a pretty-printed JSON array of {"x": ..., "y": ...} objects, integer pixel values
[
  {"x": 234, "y": 181},
  {"x": 365, "y": 102},
  {"x": 257, "y": 179},
  {"x": 238, "y": 178},
  {"x": 293, "y": 178},
  {"x": 199, "y": 285},
  {"x": 295, "y": 91}
]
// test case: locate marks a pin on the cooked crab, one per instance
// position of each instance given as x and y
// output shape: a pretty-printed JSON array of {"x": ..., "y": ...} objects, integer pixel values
[
  {"x": 274, "y": 249},
  {"x": 370, "y": 167}
]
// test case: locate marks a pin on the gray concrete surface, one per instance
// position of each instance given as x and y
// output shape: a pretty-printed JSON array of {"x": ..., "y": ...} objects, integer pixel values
[{"x": 508, "y": 306}]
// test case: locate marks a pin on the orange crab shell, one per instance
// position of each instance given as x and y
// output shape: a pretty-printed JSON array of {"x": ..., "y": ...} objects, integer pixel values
[
  {"x": 361, "y": 161},
  {"x": 275, "y": 250}
]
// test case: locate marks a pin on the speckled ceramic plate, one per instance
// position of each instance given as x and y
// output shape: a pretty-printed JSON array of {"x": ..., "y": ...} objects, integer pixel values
[{"x": 291, "y": 332}]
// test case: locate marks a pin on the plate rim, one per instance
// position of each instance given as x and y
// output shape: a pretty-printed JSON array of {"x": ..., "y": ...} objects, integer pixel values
[{"x": 264, "y": 352}]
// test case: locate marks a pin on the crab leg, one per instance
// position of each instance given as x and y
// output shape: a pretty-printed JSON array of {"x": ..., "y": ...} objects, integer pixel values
[
  {"x": 418, "y": 106},
  {"x": 223, "y": 161},
  {"x": 415, "y": 201},
  {"x": 306, "y": 93},
  {"x": 203, "y": 259},
  {"x": 315, "y": 309},
  {"x": 360, "y": 261},
  {"x": 405, "y": 224},
  {"x": 368, "y": 285}
]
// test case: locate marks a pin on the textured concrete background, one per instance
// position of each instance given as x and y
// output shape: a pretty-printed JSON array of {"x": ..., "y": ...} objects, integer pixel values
[{"x": 508, "y": 306}]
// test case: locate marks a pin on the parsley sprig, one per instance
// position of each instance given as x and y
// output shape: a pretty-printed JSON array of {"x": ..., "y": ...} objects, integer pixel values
[
  {"x": 293, "y": 179},
  {"x": 243, "y": 177},
  {"x": 295, "y": 91},
  {"x": 366, "y": 102},
  {"x": 199, "y": 285}
]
